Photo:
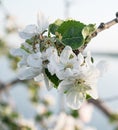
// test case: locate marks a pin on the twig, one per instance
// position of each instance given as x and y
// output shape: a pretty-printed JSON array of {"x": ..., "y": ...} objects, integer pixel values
[
  {"x": 98, "y": 103},
  {"x": 104, "y": 26},
  {"x": 102, "y": 106},
  {"x": 4, "y": 86},
  {"x": 101, "y": 27}
]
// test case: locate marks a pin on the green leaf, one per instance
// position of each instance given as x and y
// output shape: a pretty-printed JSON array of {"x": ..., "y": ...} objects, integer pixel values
[
  {"x": 54, "y": 26},
  {"x": 29, "y": 41},
  {"x": 52, "y": 78},
  {"x": 75, "y": 113},
  {"x": 88, "y": 96},
  {"x": 23, "y": 47},
  {"x": 87, "y": 31},
  {"x": 70, "y": 33},
  {"x": 114, "y": 117}
]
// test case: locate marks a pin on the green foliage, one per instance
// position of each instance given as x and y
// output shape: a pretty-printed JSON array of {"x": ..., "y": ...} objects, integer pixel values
[
  {"x": 29, "y": 41},
  {"x": 3, "y": 47},
  {"x": 33, "y": 91},
  {"x": 8, "y": 116},
  {"x": 88, "y": 96},
  {"x": 87, "y": 31},
  {"x": 39, "y": 117},
  {"x": 13, "y": 61},
  {"x": 54, "y": 26},
  {"x": 52, "y": 78},
  {"x": 70, "y": 33},
  {"x": 75, "y": 113},
  {"x": 114, "y": 117}
]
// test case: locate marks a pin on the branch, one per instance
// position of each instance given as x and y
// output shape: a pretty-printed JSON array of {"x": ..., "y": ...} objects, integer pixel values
[
  {"x": 103, "y": 107},
  {"x": 101, "y": 27},
  {"x": 104, "y": 26},
  {"x": 4, "y": 86},
  {"x": 98, "y": 103}
]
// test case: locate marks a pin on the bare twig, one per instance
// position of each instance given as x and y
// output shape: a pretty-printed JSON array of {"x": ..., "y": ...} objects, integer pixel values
[
  {"x": 4, "y": 86},
  {"x": 98, "y": 103},
  {"x": 101, "y": 27},
  {"x": 102, "y": 106}
]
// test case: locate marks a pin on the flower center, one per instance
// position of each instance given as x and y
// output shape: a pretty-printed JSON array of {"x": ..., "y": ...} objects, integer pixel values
[
  {"x": 79, "y": 81},
  {"x": 69, "y": 65}
]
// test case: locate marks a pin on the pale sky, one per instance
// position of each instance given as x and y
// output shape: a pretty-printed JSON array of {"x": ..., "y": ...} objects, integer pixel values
[{"x": 87, "y": 11}]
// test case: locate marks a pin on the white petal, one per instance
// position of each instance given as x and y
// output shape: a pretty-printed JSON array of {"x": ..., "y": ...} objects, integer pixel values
[
  {"x": 18, "y": 52},
  {"x": 93, "y": 92},
  {"x": 65, "y": 85},
  {"x": 65, "y": 54},
  {"x": 51, "y": 52},
  {"x": 63, "y": 74},
  {"x": 21, "y": 53},
  {"x": 91, "y": 76},
  {"x": 53, "y": 64},
  {"x": 29, "y": 32},
  {"x": 48, "y": 84},
  {"x": 80, "y": 58},
  {"x": 88, "y": 59},
  {"x": 39, "y": 78},
  {"x": 34, "y": 60},
  {"x": 43, "y": 23},
  {"x": 27, "y": 46},
  {"x": 74, "y": 98},
  {"x": 52, "y": 68},
  {"x": 23, "y": 62},
  {"x": 103, "y": 66},
  {"x": 37, "y": 46},
  {"x": 28, "y": 73}
]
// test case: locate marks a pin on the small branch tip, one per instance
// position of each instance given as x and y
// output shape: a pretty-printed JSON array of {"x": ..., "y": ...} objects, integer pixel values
[
  {"x": 102, "y": 25},
  {"x": 117, "y": 14}
]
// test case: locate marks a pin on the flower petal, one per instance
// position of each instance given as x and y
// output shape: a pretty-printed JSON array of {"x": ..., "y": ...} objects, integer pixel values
[
  {"x": 48, "y": 84},
  {"x": 18, "y": 52},
  {"x": 29, "y": 31},
  {"x": 66, "y": 53},
  {"x": 103, "y": 66},
  {"x": 63, "y": 74},
  {"x": 28, "y": 73},
  {"x": 65, "y": 85},
  {"x": 88, "y": 59},
  {"x": 93, "y": 92},
  {"x": 27, "y": 46},
  {"x": 74, "y": 98},
  {"x": 42, "y": 22},
  {"x": 39, "y": 78},
  {"x": 34, "y": 60},
  {"x": 21, "y": 53}
]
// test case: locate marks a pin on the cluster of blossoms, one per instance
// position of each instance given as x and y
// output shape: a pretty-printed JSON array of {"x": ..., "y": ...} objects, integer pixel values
[
  {"x": 46, "y": 56},
  {"x": 67, "y": 122}
]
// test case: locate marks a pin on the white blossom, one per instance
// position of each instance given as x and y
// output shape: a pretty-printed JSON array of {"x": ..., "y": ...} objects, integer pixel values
[
  {"x": 85, "y": 112},
  {"x": 67, "y": 122},
  {"x": 20, "y": 53},
  {"x": 32, "y": 30},
  {"x": 33, "y": 67},
  {"x": 29, "y": 31},
  {"x": 64, "y": 65},
  {"x": 27, "y": 73},
  {"x": 27, "y": 123},
  {"x": 53, "y": 59},
  {"x": 42, "y": 22},
  {"x": 84, "y": 82}
]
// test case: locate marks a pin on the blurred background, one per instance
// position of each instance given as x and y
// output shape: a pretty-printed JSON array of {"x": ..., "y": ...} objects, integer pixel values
[{"x": 14, "y": 15}]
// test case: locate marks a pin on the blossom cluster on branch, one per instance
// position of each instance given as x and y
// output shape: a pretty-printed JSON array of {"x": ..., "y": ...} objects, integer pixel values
[{"x": 49, "y": 54}]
